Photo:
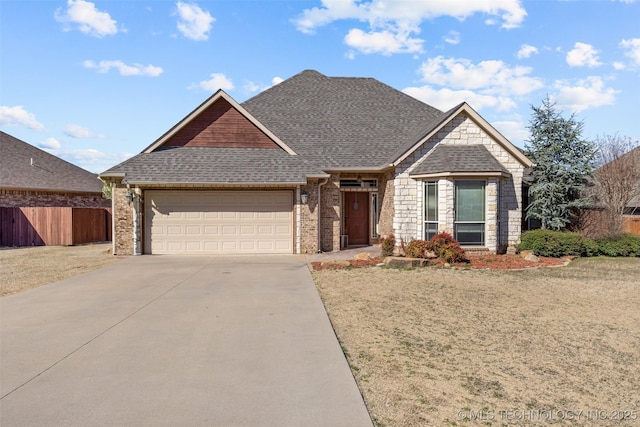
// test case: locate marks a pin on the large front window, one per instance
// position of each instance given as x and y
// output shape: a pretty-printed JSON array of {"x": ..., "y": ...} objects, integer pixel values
[
  {"x": 430, "y": 209},
  {"x": 470, "y": 213}
]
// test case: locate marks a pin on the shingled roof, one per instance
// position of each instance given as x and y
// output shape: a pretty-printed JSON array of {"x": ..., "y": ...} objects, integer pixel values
[
  {"x": 342, "y": 122},
  {"x": 459, "y": 159},
  {"x": 204, "y": 165},
  {"x": 320, "y": 124},
  {"x": 25, "y": 167}
]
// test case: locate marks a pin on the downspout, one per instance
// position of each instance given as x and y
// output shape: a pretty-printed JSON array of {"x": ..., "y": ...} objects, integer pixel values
[
  {"x": 320, "y": 184},
  {"x": 113, "y": 218}
]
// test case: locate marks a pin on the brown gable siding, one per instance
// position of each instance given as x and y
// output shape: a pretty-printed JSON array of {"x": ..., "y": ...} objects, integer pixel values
[{"x": 220, "y": 125}]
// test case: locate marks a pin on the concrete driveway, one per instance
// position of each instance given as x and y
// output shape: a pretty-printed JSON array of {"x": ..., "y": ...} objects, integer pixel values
[{"x": 163, "y": 340}]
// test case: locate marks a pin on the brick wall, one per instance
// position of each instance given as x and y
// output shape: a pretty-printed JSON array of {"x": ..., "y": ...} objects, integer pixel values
[
  {"x": 123, "y": 223},
  {"x": 24, "y": 198},
  {"x": 330, "y": 215},
  {"x": 385, "y": 203},
  {"x": 309, "y": 220},
  {"x": 504, "y": 198}
]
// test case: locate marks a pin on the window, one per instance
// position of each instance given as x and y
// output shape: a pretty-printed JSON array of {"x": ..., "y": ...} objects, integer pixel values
[
  {"x": 470, "y": 213},
  {"x": 430, "y": 209},
  {"x": 374, "y": 215}
]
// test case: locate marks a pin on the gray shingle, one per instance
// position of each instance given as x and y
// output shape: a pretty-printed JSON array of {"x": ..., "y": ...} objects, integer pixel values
[
  {"x": 215, "y": 165},
  {"x": 48, "y": 172},
  {"x": 340, "y": 121},
  {"x": 457, "y": 159}
]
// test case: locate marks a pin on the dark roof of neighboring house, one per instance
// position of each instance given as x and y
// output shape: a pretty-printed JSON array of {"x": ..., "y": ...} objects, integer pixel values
[
  {"x": 460, "y": 159},
  {"x": 25, "y": 167},
  {"x": 232, "y": 165},
  {"x": 339, "y": 122}
]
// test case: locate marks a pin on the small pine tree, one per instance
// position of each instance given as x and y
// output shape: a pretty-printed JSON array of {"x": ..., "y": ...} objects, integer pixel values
[{"x": 563, "y": 161}]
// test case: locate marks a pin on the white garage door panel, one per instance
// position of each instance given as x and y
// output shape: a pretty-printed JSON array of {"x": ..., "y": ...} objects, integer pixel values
[{"x": 213, "y": 222}]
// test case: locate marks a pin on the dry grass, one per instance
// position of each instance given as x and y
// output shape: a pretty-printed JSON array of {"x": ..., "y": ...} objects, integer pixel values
[
  {"x": 25, "y": 268},
  {"x": 468, "y": 347}
]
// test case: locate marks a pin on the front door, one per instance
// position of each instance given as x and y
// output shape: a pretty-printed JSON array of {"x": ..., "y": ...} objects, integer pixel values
[{"x": 356, "y": 217}]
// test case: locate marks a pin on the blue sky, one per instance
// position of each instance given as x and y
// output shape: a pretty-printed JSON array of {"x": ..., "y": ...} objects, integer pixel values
[{"x": 96, "y": 82}]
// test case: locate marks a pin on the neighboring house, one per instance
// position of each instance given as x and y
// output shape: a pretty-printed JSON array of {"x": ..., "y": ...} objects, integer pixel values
[
  {"x": 597, "y": 220},
  {"x": 318, "y": 163},
  {"x": 32, "y": 177},
  {"x": 45, "y": 200}
]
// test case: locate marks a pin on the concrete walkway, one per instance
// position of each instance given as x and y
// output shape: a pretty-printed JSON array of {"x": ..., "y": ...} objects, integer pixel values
[{"x": 189, "y": 341}]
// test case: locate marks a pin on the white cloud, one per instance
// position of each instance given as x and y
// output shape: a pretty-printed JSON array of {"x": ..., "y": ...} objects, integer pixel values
[
  {"x": 93, "y": 160},
  {"x": 511, "y": 12},
  {"x": 445, "y": 99},
  {"x": 583, "y": 55},
  {"x": 619, "y": 66},
  {"x": 217, "y": 81},
  {"x": 632, "y": 49},
  {"x": 386, "y": 42},
  {"x": 194, "y": 23},
  {"x": 452, "y": 37},
  {"x": 124, "y": 69},
  {"x": 489, "y": 83},
  {"x": 87, "y": 18},
  {"x": 18, "y": 116},
  {"x": 492, "y": 76},
  {"x": 514, "y": 131},
  {"x": 276, "y": 80},
  {"x": 77, "y": 131},
  {"x": 583, "y": 94},
  {"x": 526, "y": 51},
  {"x": 393, "y": 24},
  {"x": 50, "y": 143}
]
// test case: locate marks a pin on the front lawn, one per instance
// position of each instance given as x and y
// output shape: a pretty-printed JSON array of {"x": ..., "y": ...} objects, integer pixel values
[{"x": 459, "y": 347}]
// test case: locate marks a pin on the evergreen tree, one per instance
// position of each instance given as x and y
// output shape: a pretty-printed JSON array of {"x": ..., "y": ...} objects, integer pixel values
[{"x": 563, "y": 161}]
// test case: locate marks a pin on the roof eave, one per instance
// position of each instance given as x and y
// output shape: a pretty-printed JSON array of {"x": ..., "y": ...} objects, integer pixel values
[
  {"x": 486, "y": 126},
  {"x": 461, "y": 174}
]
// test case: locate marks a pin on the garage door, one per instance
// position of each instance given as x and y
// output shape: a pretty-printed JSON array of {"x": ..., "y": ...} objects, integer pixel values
[{"x": 218, "y": 222}]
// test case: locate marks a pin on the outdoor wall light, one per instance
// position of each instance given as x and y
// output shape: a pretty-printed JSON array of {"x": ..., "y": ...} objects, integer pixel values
[
  {"x": 304, "y": 197},
  {"x": 129, "y": 197}
]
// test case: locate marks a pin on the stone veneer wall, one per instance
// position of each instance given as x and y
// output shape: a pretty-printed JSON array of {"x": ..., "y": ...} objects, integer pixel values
[
  {"x": 330, "y": 215},
  {"x": 309, "y": 220},
  {"x": 505, "y": 192},
  {"x": 385, "y": 203},
  {"x": 122, "y": 222},
  {"x": 26, "y": 198}
]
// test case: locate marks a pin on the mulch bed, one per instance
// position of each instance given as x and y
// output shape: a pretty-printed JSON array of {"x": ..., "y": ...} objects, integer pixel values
[{"x": 491, "y": 262}]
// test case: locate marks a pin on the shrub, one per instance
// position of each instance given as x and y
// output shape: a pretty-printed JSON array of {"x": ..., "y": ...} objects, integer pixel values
[
  {"x": 562, "y": 243},
  {"x": 555, "y": 243},
  {"x": 625, "y": 245},
  {"x": 417, "y": 249},
  {"x": 387, "y": 244},
  {"x": 445, "y": 247}
]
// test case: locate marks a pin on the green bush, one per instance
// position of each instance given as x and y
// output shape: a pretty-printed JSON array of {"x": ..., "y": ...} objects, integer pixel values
[
  {"x": 445, "y": 247},
  {"x": 553, "y": 243},
  {"x": 387, "y": 244},
  {"x": 563, "y": 243},
  {"x": 417, "y": 249},
  {"x": 625, "y": 245}
]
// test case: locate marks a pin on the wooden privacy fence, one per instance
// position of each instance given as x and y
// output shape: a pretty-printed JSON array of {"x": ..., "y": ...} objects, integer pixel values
[
  {"x": 38, "y": 226},
  {"x": 631, "y": 224}
]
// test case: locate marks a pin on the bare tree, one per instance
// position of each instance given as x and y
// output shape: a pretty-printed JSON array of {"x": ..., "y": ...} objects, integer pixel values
[{"x": 617, "y": 180}]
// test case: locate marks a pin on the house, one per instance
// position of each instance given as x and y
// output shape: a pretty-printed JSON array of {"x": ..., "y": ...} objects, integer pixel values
[
  {"x": 32, "y": 177},
  {"x": 318, "y": 163},
  {"x": 46, "y": 200},
  {"x": 619, "y": 179}
]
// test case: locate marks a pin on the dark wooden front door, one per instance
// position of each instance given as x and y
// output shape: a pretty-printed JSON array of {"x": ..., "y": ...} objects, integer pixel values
[{"x": 356, "y": 217}]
